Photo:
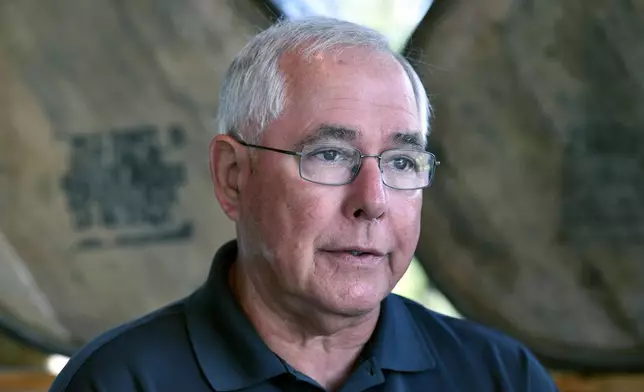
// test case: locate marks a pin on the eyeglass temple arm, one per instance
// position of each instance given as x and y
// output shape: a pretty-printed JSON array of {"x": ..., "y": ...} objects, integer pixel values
[{"x": 296, "y": 153}]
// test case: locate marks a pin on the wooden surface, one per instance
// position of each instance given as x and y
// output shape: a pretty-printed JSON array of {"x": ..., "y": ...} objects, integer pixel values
[
  {"x": 13, "y": 353},
  {"x": 25, "y": 381},
  {"x": 106, "y": 112},
  {"x": 616, "y": 383},
  {"x": 535, "y": 222}
]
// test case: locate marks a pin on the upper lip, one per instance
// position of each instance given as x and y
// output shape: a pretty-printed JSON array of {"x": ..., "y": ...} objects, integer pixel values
[{"x": 361, "y": 249}]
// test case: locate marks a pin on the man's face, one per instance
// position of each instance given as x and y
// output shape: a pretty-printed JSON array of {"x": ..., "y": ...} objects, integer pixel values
[{"x": 305, "y": 231}]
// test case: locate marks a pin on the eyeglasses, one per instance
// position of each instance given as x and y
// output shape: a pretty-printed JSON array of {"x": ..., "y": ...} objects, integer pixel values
[{"x": 328, "y": 164}]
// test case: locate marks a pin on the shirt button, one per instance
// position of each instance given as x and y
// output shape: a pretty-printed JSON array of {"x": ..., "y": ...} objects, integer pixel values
[{"x": 370, "y": 368}]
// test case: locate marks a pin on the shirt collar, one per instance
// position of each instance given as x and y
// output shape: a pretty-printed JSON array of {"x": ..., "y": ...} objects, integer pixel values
[
  {"x": 233, "y": 356},
  {"x": 229, "y": 350},
  {"x": 397, "y": 343}
]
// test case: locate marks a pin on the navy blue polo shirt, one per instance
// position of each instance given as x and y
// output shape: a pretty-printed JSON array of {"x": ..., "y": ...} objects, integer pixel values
[{"x": 205, "y": 343}]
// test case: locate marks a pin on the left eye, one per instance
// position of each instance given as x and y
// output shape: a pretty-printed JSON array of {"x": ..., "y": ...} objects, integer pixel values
[
  {"x": 329, "y": 155},
  {"x": 403, "y": 163}
]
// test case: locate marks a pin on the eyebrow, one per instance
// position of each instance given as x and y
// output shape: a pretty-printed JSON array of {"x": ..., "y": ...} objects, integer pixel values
[
  {"x": 328, "y": 132},
  {"x": 409, "y": 138}
]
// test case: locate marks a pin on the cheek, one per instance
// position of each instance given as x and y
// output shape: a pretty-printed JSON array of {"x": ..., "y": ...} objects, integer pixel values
[
  {"x": 284, "y": 207},
  {"x": 310, "y": 212},
  {"x": 406, "y": 216}
]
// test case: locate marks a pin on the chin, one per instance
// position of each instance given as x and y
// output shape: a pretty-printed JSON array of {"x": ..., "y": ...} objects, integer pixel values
[{"x": 356, "y": 302}]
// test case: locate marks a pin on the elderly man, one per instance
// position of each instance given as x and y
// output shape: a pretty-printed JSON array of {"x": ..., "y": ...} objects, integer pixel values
[{"x": 320, "y": 162}]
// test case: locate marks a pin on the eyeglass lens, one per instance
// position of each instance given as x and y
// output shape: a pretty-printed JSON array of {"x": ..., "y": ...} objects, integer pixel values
[{"x": 335, "y": 165}]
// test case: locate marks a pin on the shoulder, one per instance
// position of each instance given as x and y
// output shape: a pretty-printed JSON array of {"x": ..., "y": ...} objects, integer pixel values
[
  {"x": 457, "y": 332},
  {"x": 487, "y": 352},
  {"x": 130, "y": 356}
]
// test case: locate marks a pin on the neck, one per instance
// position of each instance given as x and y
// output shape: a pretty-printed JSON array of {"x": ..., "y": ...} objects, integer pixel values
[{"x": 322, "y": 345}]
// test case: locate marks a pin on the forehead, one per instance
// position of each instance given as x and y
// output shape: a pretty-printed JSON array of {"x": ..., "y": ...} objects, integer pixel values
[
  {"x": 355, "y": 88},
  {"x": 352, "y": 69}
]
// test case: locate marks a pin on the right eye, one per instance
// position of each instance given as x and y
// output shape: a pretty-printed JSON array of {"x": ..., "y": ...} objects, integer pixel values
[{"x": 329, "y": 155}]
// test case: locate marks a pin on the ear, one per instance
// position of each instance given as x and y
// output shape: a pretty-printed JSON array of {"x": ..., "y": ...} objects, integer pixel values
[{"x": 229, "y": 169}]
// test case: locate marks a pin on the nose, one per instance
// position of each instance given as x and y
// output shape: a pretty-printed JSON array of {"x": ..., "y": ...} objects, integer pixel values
[{"x": 367, "y": 194}]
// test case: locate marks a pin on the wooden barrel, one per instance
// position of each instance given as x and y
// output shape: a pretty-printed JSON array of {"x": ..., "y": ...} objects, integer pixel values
[
  {"x": 106, "y": 113},
  {"x": 535, "y": 224}
]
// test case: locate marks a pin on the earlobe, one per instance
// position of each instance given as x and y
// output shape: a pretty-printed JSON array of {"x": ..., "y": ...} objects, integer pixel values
[{"x": 227, "y": 163}]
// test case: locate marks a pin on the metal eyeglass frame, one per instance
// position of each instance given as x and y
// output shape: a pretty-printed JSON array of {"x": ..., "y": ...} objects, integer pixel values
[{"x": 354, "y": 171}]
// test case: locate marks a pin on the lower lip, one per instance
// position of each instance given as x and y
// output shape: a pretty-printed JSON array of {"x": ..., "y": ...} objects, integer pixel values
[{"x": 365, "y": 260}]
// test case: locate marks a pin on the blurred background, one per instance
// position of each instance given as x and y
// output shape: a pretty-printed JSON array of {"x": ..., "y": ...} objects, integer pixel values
[{"x": 534, "y": 224}]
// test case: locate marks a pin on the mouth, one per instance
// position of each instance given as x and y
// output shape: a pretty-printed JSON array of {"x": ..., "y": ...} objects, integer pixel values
[{"x": 357, "y": 252}]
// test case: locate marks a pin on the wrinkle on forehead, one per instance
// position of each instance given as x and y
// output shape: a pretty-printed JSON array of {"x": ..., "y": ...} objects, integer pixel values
[{"x": 331, "y": 132}]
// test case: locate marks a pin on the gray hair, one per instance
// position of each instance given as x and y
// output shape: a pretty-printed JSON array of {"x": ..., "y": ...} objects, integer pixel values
[{"x": 253, "y": 90}]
